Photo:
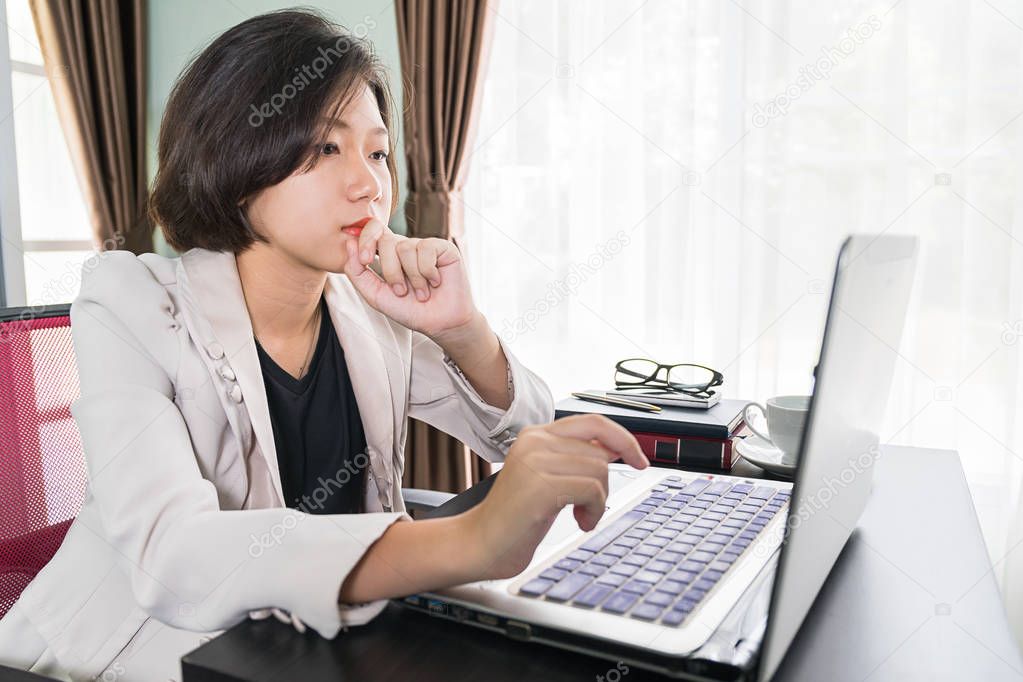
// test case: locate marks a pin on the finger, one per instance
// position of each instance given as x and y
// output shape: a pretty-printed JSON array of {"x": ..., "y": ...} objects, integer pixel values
[
  {"x": 612, "y": 436},
  {"x": 368, "y": 239},
  {"x": 408, "y": 252},
  {"x": 585, "y": 494},
  {"x": 559, "y": 463},
  {"x": 390, "y": 264},
  {"x": 365, "y": 280},
  {"x": 429, "y": 251},
  {"x": 591, "y": 449}
]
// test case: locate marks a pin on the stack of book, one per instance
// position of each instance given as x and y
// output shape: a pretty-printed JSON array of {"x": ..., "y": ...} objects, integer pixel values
[{"x": 676, "y": 436}]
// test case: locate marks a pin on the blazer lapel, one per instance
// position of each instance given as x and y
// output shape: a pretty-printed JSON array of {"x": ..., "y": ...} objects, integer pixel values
[
  {"x": 364, "y": 347},
  {"x": 216, "y": 288}
]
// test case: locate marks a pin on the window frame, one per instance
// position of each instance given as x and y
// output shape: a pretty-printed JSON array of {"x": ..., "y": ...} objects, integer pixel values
[{"x": 12, "y": 263}]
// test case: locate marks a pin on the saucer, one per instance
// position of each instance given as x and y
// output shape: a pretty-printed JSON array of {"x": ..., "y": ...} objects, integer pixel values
[{"x": 763, "y": 453}]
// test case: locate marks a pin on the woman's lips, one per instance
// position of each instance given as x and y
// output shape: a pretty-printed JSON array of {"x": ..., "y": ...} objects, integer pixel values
[{"x": 355, "y": 229}]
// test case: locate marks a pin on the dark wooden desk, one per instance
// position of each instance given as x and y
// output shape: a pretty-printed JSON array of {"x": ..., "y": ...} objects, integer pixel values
[{"x": 911, "y": 598}]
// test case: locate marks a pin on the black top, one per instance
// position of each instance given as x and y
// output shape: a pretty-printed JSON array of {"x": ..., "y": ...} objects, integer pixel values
[{"x": 321, "y": 446}]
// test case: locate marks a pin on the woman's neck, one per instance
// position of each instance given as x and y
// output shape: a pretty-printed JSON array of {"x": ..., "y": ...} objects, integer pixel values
[{"x": 281, "y": 294}]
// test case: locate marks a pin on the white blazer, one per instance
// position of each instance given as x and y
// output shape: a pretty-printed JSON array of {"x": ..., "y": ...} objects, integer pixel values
[{"x": 177, "y": 437}]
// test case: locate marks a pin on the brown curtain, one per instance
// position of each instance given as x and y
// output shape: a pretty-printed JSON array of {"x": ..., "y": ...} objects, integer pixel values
[
  {"x": 94, "y": 51},
  {"x": 444, "y": 47}
]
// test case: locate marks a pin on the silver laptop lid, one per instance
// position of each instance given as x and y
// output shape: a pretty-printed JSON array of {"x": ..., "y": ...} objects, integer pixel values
[{"x": 864, "y": 325}]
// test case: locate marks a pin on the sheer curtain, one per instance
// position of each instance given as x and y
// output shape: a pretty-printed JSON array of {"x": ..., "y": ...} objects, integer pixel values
[{"x": 673, "y": 180}]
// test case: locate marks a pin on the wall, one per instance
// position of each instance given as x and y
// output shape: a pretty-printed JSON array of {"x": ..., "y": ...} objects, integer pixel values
[{"x": 179, "y": 29}]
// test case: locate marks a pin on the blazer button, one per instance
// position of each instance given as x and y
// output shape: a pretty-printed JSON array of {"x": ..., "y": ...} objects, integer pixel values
[
  {"x": 227, "y": 373},
  {"x": 236, "y": 393},
  {"x": 215, "y": 350}
]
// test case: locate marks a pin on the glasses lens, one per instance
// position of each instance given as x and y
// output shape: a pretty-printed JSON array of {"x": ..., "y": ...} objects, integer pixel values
[
  {"x": 690, "y": 377},
  {"x": 635, "y": 371}
]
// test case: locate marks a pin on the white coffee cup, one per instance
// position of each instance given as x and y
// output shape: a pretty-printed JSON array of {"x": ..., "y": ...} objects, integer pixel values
[{"x": 786, "y": 417}]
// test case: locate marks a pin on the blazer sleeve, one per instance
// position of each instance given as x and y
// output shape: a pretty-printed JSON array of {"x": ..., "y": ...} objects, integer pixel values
[
  {"x": 191, "y": 564},
  {"x": 441, "y": 396}
]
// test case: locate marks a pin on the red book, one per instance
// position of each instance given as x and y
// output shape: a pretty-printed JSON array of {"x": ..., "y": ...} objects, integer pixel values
[{"x": 691, "y": 451}]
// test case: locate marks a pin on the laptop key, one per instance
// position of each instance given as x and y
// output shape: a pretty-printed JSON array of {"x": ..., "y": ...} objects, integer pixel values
[
  {"x": 606, "y": 536},
  {"x": 673, "y": 587},
  {"x": 660, "y": 566},
  {"x": 536, "y": 587},
  {"x": 647, "y": 611},
  {"x": 718, "y": 488},
  {"x": 612, "y": 579},
  {"x": 696, "y": 487},
  {"x": 674, "y": 617},
  {"x": 580, "y": 555},
  {"x": 592, "y": 569},
  {"x": 619, "y": 602},
  {"x": 660, "y": 599},
  {"x": 624, "y": 569},
  {"x": 702, "y": 584},
  {"x": 592, "y": 595},
  {"x": 554, "y": 574},
  {"x": 636, "y": 587},
  {"x": 691, "y": 566},
  {"x": 568, "y": 564},
  {"x": 648, "y": 577},
  {"x": 763, "y": 492},
  {"x": 567, "y": 587}
]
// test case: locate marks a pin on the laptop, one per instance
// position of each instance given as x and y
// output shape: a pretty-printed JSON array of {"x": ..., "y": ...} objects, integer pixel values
[{"x": 709, "y": 577}]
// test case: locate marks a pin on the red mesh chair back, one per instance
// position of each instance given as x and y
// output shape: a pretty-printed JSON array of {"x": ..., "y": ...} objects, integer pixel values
[{"x": 42, "y": 468}]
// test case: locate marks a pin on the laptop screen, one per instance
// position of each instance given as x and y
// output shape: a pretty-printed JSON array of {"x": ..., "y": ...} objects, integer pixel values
[{"x": 869, "y": 297}]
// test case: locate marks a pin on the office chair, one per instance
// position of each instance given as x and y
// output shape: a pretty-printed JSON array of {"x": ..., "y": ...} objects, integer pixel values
[{"x": 43, "y": 477}]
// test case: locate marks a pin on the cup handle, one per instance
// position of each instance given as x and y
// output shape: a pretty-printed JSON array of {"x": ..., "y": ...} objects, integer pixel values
[{"x": 751, "y": 425}]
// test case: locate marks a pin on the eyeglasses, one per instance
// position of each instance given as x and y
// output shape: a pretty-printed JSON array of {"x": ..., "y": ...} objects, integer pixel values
[{"x": 695, "y": 380}]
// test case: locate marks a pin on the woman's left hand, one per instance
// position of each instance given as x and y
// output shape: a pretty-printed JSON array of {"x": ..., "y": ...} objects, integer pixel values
[{"x": 424, "y": 285}]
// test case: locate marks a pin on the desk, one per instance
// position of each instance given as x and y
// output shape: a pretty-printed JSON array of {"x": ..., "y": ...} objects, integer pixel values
[{"x": 912, "y": 597}]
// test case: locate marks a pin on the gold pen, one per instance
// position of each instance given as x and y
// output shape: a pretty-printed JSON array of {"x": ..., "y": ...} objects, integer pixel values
[{"x": 617, "y": 402}]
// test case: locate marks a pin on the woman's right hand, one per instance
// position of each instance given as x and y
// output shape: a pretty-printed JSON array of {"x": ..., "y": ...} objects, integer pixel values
[{"x": 547, "y": 467}]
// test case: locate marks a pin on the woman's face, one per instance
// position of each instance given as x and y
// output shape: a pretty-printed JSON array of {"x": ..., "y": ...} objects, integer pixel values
[{"x": 302, "y": 216}]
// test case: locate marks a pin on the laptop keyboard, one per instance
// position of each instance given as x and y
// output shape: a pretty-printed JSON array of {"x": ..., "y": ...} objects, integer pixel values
[{"x": 657, "y": 561}]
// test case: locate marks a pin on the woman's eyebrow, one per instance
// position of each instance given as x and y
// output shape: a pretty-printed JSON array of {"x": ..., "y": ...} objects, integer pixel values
[{"x": 343, "y": 125}]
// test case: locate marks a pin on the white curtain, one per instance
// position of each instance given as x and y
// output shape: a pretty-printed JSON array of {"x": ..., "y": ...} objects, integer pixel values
[{"x": 672, "y": 180}]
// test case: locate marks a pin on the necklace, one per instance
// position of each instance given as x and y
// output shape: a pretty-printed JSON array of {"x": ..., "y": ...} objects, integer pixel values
[{"x": 312, "y": 342}]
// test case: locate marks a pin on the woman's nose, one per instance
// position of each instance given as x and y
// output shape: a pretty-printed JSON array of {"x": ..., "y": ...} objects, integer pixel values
[{"x": 362, "y": 182}]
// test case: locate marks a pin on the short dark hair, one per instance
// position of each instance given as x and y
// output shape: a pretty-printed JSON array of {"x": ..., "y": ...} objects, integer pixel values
[{"x": 246, "y": 113}]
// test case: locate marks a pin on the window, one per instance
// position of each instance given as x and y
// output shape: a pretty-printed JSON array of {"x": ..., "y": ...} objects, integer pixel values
[
  {"x": 673, "y": 180},
  {"x": 43, "y": 218}
]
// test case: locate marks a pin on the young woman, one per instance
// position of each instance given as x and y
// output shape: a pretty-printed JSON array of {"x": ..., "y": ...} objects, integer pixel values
[{"x": 243, "y": 407}]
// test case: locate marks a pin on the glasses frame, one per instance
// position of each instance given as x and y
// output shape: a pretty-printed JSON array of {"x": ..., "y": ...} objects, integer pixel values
[{"x": 654, "y": 381}]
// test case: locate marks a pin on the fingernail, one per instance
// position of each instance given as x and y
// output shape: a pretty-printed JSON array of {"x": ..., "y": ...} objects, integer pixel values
[
  {"x": 399, "y": 289},
  {"x": 421, "y": 294}
]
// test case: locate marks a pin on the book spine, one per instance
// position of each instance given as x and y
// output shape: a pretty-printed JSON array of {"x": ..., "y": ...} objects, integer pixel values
[{"x": 704, "y": 453}]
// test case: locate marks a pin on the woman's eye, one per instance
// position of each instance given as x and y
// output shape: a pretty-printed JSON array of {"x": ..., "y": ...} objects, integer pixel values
[
  {"x": 379, "y": 156},
  {"x": 328, "y": 148}
]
